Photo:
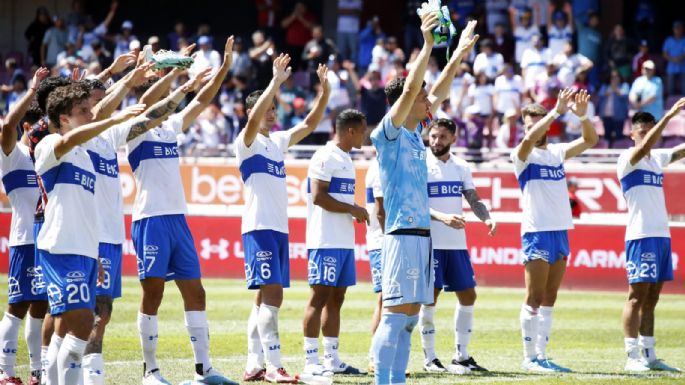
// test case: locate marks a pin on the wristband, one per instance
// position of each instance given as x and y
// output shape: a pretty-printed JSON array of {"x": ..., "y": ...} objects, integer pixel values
[
  {"x": 583, "y": 118},
  {"x": 554, "y": 113}
]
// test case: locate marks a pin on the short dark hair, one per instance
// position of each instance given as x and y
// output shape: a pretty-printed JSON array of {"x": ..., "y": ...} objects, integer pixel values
[
  {"x": 447, "y": 123},
  {"x": 93, "y": 84},
  {"x": 62, "y": 100},
  {"x": 347, "y": 118},
  {"x": 32, "y": 115},
  {"x": 141, "y": 89},
  {"x": 252, "y": 98},
  {"x": 642, "y": 117},
  {"x": 46, "y": 87},
  {"x": 394, "y": 89},
  {"x": 533, "y": 110}
]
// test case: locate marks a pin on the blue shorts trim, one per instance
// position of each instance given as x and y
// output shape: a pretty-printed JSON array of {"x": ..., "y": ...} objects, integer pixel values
[
  {"x": 110, "y": 257},
  {"x": 267, "y": 258},
  {"x": 165, "y": 248},
  {"x": 38, "y": 262},
  {"x": 407, "y": 272},
  {"x": 649, "y": 260},
  {"x": 376, "y": 275},
  {"x": 331, "y": 267},
  {"x": 550, "y": 246},
  {"x": 453, "y": 270},
  {"x": 71, "y": 281},
  {"x": 25, "y": 280}
]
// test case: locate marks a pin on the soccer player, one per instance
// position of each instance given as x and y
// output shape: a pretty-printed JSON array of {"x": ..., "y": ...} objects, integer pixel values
[
  {"x": 25, "y": 278},
  {"x": 648, "y": 240},
  {"x": 539, "y": 168},
  {"x": 449, "y": 179},
  {"x": 264, "y": 228},
  {"x": 374, "y": 240},
  {"x": 407, "y": 273},
  {"x": 69, "y": 253},
  {"x": 109, "y": 200},
  {"x": 160, "y": 233},
  {"x": 330, "y": 241}
]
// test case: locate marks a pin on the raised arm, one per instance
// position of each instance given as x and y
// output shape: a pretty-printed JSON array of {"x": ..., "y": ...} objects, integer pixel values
[
  {"x": 9, "y": 131},
  {"x": 412, "y": 86},
  {"x": 254, "y": 120},
  {"x": 209, "y": 91},
  {"x": 678, "y": 153},
  {"x": 540, "y": 128},
  {"x": 87, "y": 132},
  {"x": 643, "y": 148},
  {"x": 314, "y": 116},
  {"x": 321, "y": 198},
  {"x": 441, "y": 89},
  {"x": 109, "y": 104},
  {"x": 161, "y": 110},
  {"x": 589, "y": 138},
  {"x": 119, "y": 65},
  {"x": 480, "y": 210}
]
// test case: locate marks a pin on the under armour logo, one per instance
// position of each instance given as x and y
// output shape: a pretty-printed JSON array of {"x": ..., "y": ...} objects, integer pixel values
[{"x": 209, "y": 248}]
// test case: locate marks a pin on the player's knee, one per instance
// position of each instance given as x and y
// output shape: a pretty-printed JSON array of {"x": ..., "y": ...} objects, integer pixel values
[
  {"x": 103, "y": 311},
  {"x": 534, "y": 299},
  {"x": 336, "y": 298},
  {"x": 79, "y": 322},
  {"x": 18, "y": 309},
  {"x": 650, "y": 300},
  {"x": 318, "y": 298}
]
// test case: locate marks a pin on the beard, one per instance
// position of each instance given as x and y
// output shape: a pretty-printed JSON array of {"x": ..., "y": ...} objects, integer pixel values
[{"x": 440, "y": 152}]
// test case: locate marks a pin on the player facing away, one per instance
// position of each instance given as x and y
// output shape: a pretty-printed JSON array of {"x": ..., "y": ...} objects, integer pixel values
[
  {"x": 374, "y": 240},
  {"x": 539, "y": 168},
  {"x": 160, "y": 233},
  {"x": 264, "y": 228},
  {"x": 450, "y": 181},
  {"x": 69, "y": 252},
  {"x": 407, "y": 270},
  {"x": 109, "y": 199},
  {"x": 331, "y": 213},
  {"x": 25, "y": 277},
  {"x": 648, "y": 240}
]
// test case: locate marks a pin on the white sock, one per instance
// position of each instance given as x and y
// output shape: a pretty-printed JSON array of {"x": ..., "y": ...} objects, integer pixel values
[
  {"x": 69, "y": 359},
  {"x": 43, "y": 363},
  {"x": 255, "y": 354},
  {"x": 32, "y": 334},
  {"x": 648, "y": 351},
  {"x": 9, "y": 342},
  {"x": 198, "y": 329},
  {"x": 544, "y": 331},
  {"x": 463, "y": 321},
  {"x": 529, "y": 330},
  {"x": 311, "y": 351},
  {"x": 50, "y": 370},
  {"x": 330, "y": 352},
  {"x": 147, "y": 327},
  {"x": 632, "y": 348},
  {"x": 93, "y": 369},
  {"x": 268, "y": 334},
  {"x": 427, "y": 328}
]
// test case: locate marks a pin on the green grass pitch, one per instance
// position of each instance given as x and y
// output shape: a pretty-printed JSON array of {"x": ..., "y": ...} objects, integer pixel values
[{"x": 586, "y": 336}]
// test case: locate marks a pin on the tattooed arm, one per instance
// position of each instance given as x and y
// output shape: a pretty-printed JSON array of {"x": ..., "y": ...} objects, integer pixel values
[
  {"x": 161, "y": 110},
  {"x": 480, "y": 210}
]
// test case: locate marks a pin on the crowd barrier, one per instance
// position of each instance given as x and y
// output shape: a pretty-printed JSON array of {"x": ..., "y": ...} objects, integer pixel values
[{"x": 597, "y": 260}]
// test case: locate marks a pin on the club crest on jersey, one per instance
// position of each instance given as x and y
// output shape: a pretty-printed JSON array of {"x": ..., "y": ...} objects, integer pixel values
[
  {"x": 13, "y": 287},
  {"x": 76, "y": 276},
  {"x": 312, "y": 270},
  {"x": 55, "y": 295}
]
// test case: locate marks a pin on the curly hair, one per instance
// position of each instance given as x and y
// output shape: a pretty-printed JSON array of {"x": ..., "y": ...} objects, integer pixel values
[
  {"x": 46, "y": 87},
  {"x": 63, "y": 99}
]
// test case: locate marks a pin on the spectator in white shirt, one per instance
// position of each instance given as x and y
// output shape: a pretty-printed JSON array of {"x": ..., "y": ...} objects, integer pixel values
[
  {"x": 534, "y": 61},
  {"x": 508, "y": 90},
  {"x": 459, "y": 89},
  {"x": 206, "y": 57},
  {"x": 570, "y": 64},
  {"x": 488, "y": 61},
  {"x": 559, "y": 31},
  {"x": 481, "y": 96},
  {"x": 524, "y": 31}
]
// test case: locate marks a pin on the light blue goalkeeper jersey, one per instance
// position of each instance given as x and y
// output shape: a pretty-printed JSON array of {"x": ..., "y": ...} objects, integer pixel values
[{"x": 402, "y": 164}]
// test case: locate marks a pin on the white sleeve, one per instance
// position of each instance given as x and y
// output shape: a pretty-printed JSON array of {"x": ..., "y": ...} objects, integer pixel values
[
  {"x": 321, "y": 167},
  {"x": 45, "y": 154},
  {"x": 241, "y": 150},
  {"x": 559, "y": 150},
  {"x": 468, "y": 178},
  {"x": 623, "y": 166},
  {"x": 175, "y": 123},
  {"x": 376, "y": 184},
  {"x": 663, "y": 157},
  {"x": 519, "y": 165},
  {"x": 282, "y": 139},
  {"x": 100, "y": 30}
]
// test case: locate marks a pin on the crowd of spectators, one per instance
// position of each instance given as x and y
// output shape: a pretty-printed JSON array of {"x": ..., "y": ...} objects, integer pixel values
[{"x": 528, "y": 51}]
